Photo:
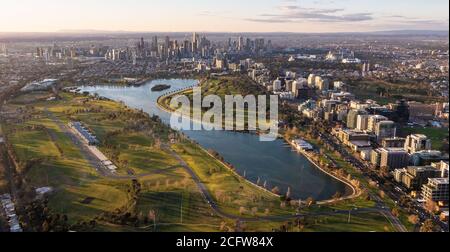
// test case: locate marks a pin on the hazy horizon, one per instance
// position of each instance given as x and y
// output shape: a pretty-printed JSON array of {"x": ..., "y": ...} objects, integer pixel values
[
  {"x": 263, "y": 16},
  {"x": 100, "y": 32}
]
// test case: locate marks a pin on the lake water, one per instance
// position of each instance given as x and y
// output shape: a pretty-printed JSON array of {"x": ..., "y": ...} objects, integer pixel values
[{"x": 274, "y": 162}]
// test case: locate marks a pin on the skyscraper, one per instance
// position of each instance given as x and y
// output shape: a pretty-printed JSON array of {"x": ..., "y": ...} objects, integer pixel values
[
  {"x": 241, "y": 43},
  {"x": 142, "y": 43},
  {"x": 3, "y": 49},
  {"x": 195, "y": 42},
  {"x": 167, "y": 42},
  {"x": 155, "y": 43}
]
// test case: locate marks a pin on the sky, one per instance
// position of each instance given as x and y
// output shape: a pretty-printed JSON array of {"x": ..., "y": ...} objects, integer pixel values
[{"x": 223, "y": 15}]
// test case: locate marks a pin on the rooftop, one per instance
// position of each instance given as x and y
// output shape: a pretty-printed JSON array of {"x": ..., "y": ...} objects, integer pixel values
[
  {"x": 391, "y": 149},
  {"x": 439, "y": 181}
]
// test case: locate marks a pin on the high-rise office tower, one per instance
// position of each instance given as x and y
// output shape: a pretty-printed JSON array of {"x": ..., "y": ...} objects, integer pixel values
[
  {"x": 155, "y": 43},
  {"x": 142, "y": 44},
  {"x": 241, "y": 43},
  {"x": 3, "y": 49},
  {"x": 167, "y": 42},
  {"x": 186, "y": 46},
  {"x": 195, "y": 42}
]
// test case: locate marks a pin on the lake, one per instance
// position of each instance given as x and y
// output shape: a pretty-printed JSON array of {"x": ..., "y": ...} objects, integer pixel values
[{"x": 274, "y": 162}]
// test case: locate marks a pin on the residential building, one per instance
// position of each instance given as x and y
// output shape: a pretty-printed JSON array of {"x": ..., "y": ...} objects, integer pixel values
[
  {"x": 417, "y": 142},
  {"x": 352, "y": 117},
  {"x": 395, "y": 142},
  {"x": 385, "y": 129},
  {"x": 312, "y": 81},
  {"x": 414, "y": 177},
  {"x": 427, "y": 157},
  {"x": 322, "y": 84},
  {"x": 436, "y": 190},
  {"x": 373, "y": 120},
  {"x": 362, "y": 122},
  {"x": 375, "y": 157},
  {"x": 393, "y": 158}
]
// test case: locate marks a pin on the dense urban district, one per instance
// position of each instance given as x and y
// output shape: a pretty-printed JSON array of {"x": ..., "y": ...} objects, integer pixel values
[{"x": 370, "y": 110}]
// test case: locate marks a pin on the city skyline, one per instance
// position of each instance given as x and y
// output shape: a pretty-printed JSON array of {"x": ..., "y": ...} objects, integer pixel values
[{"x": 231, "y": 16}]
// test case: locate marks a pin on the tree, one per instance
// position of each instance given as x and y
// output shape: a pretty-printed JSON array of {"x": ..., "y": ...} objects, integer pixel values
[
  {"x": 223, "y": 226},
  {"x": 395, "y": 212},
  {"x": 337, "y": 195},
  {"x": 310, "y": 201},
  {"x": 276, "y": 190},
  {"x": 430, "y": 206},
  {"x": 45, "y": 226},
  {"x": 152, "y": 216},
  {"x": 254, "y": 211},
  {"x": 239, "y": 226},
  {"x": 381, "y": 91},
  {"x": 413, "y": 219},
  {"x": 242, "y": 210},
  {"x": 288, "y": 194},
  {"x": 427, "y": 227}
]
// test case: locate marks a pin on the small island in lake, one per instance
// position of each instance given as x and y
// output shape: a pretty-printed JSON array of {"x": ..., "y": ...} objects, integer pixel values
[{"x": 162, "y": 87}]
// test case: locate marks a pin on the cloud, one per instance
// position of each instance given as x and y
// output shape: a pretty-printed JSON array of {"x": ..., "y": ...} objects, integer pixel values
[
  {"x": 320, "y": 16},
  {"x": 268, "y": 20},
  {"x": 290, "y": 12},
  {"x": 415, "y": 21}
]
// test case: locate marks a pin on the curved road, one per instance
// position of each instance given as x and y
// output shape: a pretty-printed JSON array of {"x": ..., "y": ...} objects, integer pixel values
[{"x": 201, "y": 186}]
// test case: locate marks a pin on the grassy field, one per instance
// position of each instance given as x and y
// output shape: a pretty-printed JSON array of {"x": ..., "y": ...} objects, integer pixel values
[
  {"x": 48, "y": 157},
  {"x": 362, "y": 201},
  {"x": 232, "y": 193},
  {"x": 392, "y": 91},
  {"x": 359, "y": 222},
  {"x": 221, "y": 87},
  {"x": 3, "y": 178},
  {"x": 179, "y": 210},
  {"x": 58, "y": 163}
]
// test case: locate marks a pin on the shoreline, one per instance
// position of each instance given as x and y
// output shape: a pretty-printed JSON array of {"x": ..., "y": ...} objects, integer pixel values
[
  {"x": 192, "y": 120},
  {"x": 233, "y": 171},
  {"x": 355, "y": 192}
]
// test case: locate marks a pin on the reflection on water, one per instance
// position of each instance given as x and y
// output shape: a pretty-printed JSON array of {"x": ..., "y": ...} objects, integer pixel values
[{"x": 274, "y": 162}]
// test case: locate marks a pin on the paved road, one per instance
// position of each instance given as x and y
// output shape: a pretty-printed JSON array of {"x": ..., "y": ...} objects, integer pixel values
[
  {"x": 95, "y": 163},
  {"x": 92, "y": 159},
  {"x": 206, "y": 194},
  {"x": 388, "y": 214},
  {"x": 359, "y": 165}
]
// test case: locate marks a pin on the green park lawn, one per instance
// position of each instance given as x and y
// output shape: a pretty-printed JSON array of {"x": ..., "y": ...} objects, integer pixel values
[
  {"x": 230, "y": 191},
  {"x": 82, "y": 194},
  {"x": 359, "y": 222},
  {"x": 63, "y": 167},
  {"x": 369, "y": 89},
  {"x": 221, "y": 87}
]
